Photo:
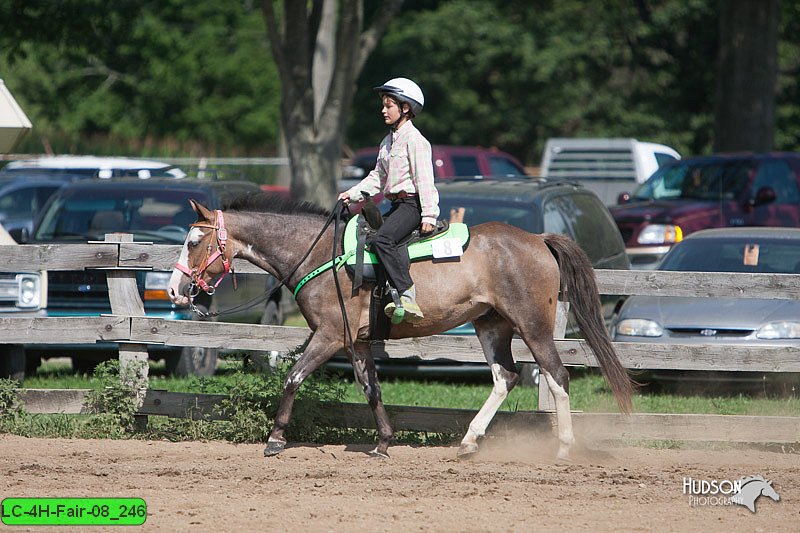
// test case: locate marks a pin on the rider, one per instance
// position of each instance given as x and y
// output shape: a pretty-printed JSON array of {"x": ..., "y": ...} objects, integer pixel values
[{"x": 404, "y": 172}]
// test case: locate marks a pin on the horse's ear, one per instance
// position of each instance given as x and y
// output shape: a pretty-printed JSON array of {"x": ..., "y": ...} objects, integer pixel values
[{"x": 202, "y": 211}]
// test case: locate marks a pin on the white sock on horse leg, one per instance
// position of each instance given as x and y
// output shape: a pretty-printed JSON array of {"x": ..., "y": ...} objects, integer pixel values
[
  {"x": 563, "y": 415},
  {"x": 477, "y": 428}
]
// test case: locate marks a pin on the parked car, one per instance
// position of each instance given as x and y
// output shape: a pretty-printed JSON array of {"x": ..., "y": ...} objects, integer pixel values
[
  {"x": 21, "y": 198},
  {"x": 703, "y": 320},
  {"x": 708, "y": 192},
  {"x": 155, "y": 210},
  {"x": 448, "y": 161},
  {"x": 541, "y": 206},
  {"x": 537, "y": 206},
  {"x": 86, "y": 166},
  {"x": 22, "y": 294},
  {"x": 607, "y": 167}
]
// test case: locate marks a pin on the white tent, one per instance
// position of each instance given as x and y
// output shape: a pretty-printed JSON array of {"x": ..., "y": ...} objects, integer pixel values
[{"x": 13, "y": 122}]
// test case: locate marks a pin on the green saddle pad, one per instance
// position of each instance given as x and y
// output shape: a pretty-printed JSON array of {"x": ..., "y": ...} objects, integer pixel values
[{"x": 417, "y": 251}]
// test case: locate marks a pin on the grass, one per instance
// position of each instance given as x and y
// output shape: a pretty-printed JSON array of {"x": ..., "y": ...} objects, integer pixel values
[{"x": 588, "y": 393}]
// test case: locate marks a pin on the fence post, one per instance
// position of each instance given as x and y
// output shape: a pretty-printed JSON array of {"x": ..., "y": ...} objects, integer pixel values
[
  {"x": 134, "y": 363},
  {"x": 546, "y": 400}
]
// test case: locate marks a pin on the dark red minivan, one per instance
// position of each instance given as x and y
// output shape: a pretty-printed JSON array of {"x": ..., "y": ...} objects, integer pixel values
[
  {"x": 448, "y": 161},
  {"x": 708, "y": 192}
]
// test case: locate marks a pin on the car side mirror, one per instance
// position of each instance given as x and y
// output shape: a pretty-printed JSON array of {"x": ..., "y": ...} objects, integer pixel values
[
  {"x": 624, "y": 198},
  {"x": 20, "y": 235},
  {"x": 764, "y": 195}
]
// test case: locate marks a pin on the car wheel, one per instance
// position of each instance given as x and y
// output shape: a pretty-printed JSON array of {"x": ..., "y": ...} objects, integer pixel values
[
  {"x": 81, "y": 365},
  {"x": 12, "y": 362},
  {"x": 193, "y": 361},
  {"x": 528, "y": 374},
  {"x": 32, "y": 364},
  {"x": 272, "y": 314}
]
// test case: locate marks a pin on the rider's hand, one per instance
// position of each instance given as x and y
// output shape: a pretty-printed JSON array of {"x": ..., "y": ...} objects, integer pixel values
[
  {"x": 345, "y": 198},
  {"x": 426, "y": 227}
]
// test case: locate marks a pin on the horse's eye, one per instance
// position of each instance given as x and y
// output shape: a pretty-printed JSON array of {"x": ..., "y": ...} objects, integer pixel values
[{"x": 191, "y": 244}]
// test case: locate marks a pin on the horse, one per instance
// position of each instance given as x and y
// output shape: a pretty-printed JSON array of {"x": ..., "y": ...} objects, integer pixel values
[{"x": 507, "y": 282}]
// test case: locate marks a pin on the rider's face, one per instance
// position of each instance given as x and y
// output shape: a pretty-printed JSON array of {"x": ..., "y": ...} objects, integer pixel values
[{"x": 391, "y": 111}]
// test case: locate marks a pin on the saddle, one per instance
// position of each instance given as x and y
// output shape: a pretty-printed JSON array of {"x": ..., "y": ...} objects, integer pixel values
[
  {"x": 361, "y": 229},
  {"x": 363, "y": 265}
]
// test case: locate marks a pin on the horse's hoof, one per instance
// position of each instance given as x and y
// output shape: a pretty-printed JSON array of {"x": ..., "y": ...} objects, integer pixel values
[
  {"x": 466, "y": 451},
  {"x": 563, "y": 454},
  {"x": 375, "y": 454},
  {"x": 274, "y": 447}
]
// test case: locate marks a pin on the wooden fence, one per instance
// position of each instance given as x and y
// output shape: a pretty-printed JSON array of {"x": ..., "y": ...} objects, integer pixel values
[{"x": 134, "y": 331}]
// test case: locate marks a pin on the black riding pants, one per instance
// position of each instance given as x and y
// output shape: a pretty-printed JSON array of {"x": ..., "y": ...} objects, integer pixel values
[{"x": 403, "y": 218}]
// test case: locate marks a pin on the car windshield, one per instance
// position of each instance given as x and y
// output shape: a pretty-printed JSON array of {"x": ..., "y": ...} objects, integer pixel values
[
  {"x": 708, "y": 181},
  {"x": 476, "y": 211},
  {"x": 763, "y": 256},
  {"x": 161, "y": 216}
]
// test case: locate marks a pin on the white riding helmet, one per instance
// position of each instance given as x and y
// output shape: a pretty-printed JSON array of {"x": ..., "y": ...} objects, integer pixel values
[{"x": 406, "y": 91}]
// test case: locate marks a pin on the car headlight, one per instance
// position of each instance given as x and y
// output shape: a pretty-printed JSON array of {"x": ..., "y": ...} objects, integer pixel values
[
  {"x": 779, "y": 330},
  {"x": 660, "y": 234},
  {"x": 156, "y": 285},
  {"x": 29, "y": 290},
  {"x": 639, "y": 327}
]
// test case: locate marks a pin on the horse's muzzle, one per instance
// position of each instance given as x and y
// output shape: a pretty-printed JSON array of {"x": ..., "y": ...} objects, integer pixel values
[{"x": 182, "y": 297}]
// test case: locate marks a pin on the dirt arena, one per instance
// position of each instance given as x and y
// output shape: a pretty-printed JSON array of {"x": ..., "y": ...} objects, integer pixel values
[{"x": 512, "y": 485}]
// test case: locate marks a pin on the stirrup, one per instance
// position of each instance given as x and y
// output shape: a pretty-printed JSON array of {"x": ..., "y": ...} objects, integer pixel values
[
  {"x": 398, "y": 312},
  {"x": 394, "y": 309}
]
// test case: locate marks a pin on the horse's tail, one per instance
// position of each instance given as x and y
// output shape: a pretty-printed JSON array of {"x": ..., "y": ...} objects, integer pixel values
[{"x": 579, "y": 285}]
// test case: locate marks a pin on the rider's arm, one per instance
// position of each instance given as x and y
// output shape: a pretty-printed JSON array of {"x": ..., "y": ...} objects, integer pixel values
[
  {"x": 421, "y": 169},
  {"x": 372, "y": 184}
]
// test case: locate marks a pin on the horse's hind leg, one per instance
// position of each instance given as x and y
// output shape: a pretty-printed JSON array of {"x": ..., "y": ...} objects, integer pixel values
[
  {"x": 367, "y": 377},
  {"x": 552, "y": 369},
  {"x": 495, "y": 334}
]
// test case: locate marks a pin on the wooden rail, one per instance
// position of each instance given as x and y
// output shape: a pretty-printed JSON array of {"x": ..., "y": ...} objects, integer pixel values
[
  {"x": 600, "y": 426},
  {"x": 134, "y": 331}
]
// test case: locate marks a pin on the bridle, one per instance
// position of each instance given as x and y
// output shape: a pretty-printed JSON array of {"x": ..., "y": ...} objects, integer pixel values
[{"x": 196, "y": 273}]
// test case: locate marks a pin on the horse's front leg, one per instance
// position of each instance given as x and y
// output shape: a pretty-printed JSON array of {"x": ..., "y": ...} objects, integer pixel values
[
  {"x": 319, "y": 349},
  {"x": 367, "y": 376}
]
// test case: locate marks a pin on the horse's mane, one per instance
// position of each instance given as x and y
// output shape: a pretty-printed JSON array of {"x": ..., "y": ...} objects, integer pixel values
[{"x": 261, "y": 202}]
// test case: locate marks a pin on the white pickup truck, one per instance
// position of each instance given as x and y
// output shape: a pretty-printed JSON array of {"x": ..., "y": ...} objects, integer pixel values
[
  {"x": 608, "y": 167},
  {"x": 22, "y": 294}
]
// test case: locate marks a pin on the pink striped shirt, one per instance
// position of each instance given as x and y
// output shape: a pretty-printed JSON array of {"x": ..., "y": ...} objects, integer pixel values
[{"x": 404, "y": 164}]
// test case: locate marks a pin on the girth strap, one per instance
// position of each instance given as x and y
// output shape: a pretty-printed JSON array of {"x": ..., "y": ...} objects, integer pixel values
[{"x": 358, "y": 276}]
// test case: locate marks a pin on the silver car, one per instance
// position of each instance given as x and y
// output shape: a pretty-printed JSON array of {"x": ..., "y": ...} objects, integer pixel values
[
  {"x": 689, "y": 320},
  {"x": 741, "y": 321}
]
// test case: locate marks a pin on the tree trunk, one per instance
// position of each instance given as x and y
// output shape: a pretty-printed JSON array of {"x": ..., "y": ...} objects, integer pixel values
[
  {"x": 315, "y": 168},
  {"x": 315, "y": 130},
  {"x": 744, "y": 110}
]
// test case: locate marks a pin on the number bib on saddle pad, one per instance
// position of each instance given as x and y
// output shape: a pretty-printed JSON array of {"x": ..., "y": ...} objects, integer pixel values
[{"x": 446, "y": 245}]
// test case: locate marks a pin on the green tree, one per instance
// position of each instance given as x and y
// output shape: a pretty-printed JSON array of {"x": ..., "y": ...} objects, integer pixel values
[
  {"x": 512, "y": 73},
  {"x": 160, "y": 76}
]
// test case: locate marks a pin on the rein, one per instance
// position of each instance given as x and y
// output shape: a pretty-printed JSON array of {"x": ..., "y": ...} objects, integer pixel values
[{"x": 222, "y": 237}]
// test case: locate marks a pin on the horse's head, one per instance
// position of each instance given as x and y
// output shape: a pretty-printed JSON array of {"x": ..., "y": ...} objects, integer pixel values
[
  {"x": 769, "y": 491},
  {"x": 203, "y": 257}
]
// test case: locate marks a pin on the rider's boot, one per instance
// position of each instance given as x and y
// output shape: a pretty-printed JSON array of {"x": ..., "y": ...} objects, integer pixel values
[{"x": 408, "y": 310}]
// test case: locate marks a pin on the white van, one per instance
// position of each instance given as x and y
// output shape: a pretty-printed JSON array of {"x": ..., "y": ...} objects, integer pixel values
[
  {"x": 94, "y": 167},
  {"x": 608, "y": 167}
]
